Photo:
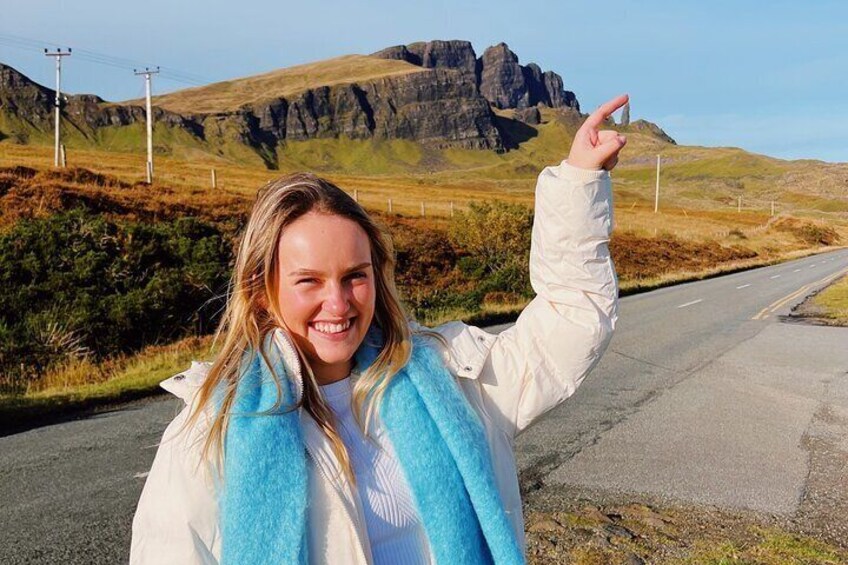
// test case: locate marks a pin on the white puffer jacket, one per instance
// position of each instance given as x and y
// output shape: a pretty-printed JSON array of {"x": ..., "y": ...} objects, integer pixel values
[{"x": 510, "y": 379}]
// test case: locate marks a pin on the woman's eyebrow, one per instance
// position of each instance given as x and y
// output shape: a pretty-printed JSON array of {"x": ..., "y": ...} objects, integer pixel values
[{"x": 302, "y": 272}]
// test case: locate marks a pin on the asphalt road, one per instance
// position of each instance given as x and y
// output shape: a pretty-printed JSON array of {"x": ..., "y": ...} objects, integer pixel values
[{"x": 703, "y": 396}]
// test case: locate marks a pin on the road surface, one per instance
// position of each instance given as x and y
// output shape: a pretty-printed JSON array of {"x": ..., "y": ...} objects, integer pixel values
[{"x": 703, "y": 396}]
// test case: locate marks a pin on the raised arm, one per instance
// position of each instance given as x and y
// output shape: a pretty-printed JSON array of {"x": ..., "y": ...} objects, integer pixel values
[{"x": 561, "y": 335}]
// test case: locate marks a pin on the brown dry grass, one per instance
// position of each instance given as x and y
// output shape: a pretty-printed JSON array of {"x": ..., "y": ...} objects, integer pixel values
[{"x": 28, "y": 193}]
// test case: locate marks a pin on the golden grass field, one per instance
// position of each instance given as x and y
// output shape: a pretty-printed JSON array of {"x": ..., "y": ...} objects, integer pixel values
[{"x": 698, "y": 231}]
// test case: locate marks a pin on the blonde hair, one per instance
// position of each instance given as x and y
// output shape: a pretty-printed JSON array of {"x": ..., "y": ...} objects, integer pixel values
[{"x": 252, "y": 311}]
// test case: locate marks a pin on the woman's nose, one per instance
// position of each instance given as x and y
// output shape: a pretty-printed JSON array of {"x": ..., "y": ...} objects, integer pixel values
[{"x": 336, "y": 301}]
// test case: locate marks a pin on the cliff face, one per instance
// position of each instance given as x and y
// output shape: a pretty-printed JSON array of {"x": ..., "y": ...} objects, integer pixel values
[
  {"x": 437, "y": 106},
  {"x": 499, "y": 78},
  {"x": 446, "y": 103},
  {"x": 25, "y": 100}
]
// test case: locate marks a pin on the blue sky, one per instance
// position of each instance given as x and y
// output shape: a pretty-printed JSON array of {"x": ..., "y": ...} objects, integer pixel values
[{"x": 771, "y": 77}]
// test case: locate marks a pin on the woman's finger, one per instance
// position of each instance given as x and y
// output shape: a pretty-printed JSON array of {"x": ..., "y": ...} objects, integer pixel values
[{"x": 604, "y": 111}]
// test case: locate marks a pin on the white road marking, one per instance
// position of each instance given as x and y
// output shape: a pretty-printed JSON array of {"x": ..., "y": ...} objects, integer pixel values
[
  {"x": 690, "y": 303},
  {"x": 141, "y": 475},
  {"x": 743, "y": 286},
  {"x": 797, "y": 271},
  {"x": 775, "y": 277},
  {"x": 813, "y": 265}
]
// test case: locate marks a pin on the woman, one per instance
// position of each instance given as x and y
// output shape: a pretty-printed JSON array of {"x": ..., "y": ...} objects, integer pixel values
[{"x": 330, "y": 430}]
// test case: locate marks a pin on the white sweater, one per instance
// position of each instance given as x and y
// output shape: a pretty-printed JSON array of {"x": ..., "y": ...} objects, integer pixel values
[{"x": 394, "y": 528}]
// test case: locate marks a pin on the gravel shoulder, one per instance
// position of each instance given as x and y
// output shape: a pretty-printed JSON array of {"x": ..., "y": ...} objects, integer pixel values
[{"x": 594, "y": 528}]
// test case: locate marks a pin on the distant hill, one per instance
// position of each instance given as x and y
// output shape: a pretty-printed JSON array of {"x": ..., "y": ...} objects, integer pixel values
[{"x": 438, "y": 94}]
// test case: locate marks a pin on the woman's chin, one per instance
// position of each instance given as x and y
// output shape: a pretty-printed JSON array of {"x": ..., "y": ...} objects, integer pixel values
[{"x": 334, "y": 353}]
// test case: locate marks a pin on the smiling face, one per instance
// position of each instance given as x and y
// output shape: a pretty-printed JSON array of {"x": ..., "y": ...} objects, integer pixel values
[{"x": 326, "y": 291}]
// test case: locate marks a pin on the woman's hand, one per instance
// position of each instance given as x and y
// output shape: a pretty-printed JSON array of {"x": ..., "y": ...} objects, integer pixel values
[{"x": 594, "y": 149}]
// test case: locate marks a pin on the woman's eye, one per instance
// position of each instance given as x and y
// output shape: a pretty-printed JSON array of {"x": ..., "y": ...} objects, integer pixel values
[
  {"x": 305, "y": 281},
  {"x": 358, "y": 275}
]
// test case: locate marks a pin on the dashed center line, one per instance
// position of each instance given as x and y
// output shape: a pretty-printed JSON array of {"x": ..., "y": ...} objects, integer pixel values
[
  {"x": 797, "y": 271},
  {"x": 743, "y": 286},
  {"x": 691, "y": 303},
  {"x": 813, "y": 265},
  {"x": 775, "y": 277}
]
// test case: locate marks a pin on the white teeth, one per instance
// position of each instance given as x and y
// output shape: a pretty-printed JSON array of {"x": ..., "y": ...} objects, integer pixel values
[{"x": 327, "y": 328}]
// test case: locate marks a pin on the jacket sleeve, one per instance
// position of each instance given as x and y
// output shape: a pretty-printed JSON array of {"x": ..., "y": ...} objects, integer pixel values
[
  {"x": 560, "y": 336},
  {"x": 177, "y": 514}
]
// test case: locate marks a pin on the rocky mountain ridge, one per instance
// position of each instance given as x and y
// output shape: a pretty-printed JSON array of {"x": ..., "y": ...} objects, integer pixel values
[
  {"x": 452, "y": 99},
  {"x": 499, "y": 77}
]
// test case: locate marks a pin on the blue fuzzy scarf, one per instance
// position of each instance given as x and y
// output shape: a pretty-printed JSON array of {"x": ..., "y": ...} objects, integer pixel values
[{"x": 439, "y": 442}]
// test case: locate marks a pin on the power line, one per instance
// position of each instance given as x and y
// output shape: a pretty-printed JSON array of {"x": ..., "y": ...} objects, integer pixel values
[{"x": 30, "y": 44}]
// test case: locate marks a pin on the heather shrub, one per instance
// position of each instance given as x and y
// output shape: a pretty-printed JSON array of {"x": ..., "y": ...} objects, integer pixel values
[{"x": 78, "y": 286}]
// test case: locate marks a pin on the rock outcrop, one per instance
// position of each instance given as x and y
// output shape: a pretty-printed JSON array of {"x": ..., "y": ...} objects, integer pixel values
[
  {"x": 530, "y": 116},
  {"x": 453, "y": 54},
  {"x": 652, "y": 129},
  {"x": 500, "y": 78}
]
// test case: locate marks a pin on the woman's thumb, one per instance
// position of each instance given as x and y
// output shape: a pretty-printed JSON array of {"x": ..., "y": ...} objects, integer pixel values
[{"x": 610, "y": 147}]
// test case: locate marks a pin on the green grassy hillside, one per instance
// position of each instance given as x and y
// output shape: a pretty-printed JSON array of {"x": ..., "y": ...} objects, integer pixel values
[{"x": 231, "y": 95}]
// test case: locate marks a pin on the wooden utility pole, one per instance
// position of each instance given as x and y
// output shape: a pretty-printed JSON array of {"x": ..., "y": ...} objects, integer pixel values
[
  {"x": 58, "y": 54},
  {"x": 147, "y": 74},
  {"x": 657, "y": 192}
]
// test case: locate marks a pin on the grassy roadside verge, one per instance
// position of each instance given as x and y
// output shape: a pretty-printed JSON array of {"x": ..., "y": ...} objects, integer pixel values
[
  {"x": 72, "y": 389},
  {"x": 829, "y": 307},
  {"x": 501, "y": 314},
  {"x": 834, "y": 302}
]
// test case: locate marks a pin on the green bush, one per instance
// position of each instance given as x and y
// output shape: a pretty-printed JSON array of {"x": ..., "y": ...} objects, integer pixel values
[
  {"x": 76, "y": 284},
  {"x": 495, "y": 241}
]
